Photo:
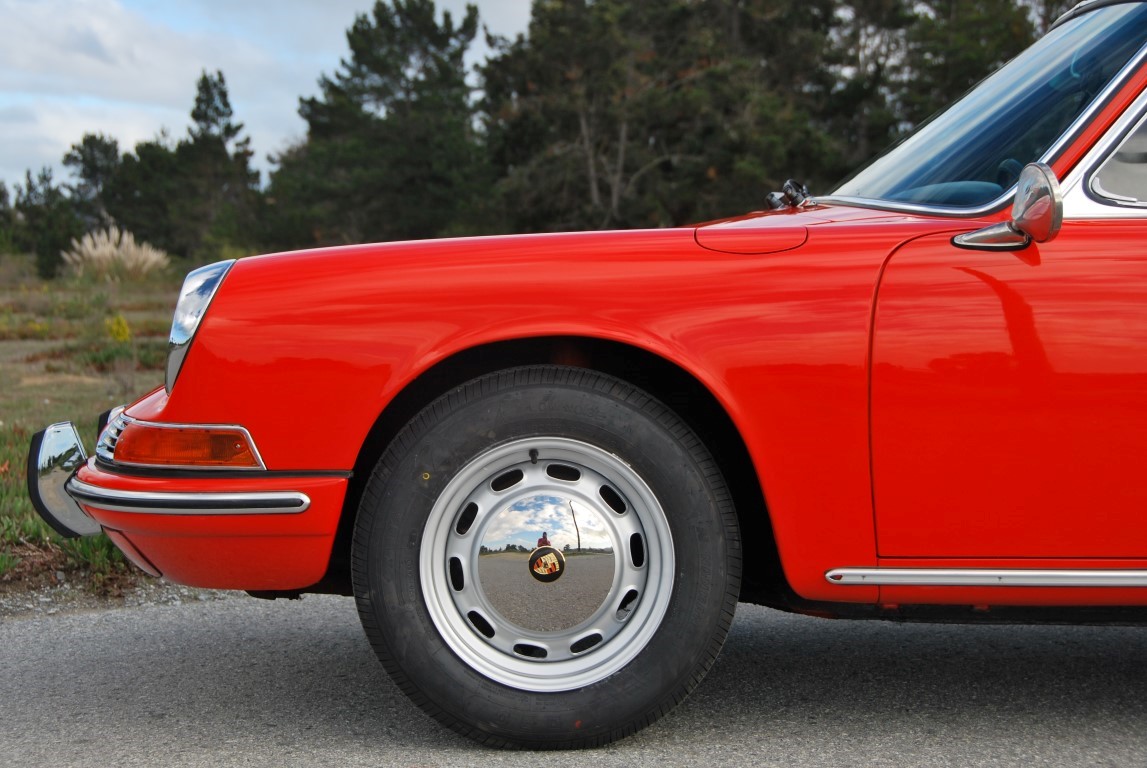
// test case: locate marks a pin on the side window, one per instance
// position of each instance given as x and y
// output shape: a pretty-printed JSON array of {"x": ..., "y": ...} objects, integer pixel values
[{"x": 1122, "y": 178}]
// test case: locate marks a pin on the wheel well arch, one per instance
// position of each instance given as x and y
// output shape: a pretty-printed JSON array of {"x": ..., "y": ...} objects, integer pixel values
[{"x": 672, "y": 385}]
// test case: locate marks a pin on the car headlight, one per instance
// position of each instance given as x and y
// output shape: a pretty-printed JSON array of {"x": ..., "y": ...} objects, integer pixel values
[{"x": 198, "y": 290}]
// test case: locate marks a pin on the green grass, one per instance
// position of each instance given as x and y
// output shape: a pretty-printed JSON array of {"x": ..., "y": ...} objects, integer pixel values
[
  {"x": 19, "y": 523},
  {"x": 8, "y": 562},
  {"x": 95, "y": 553},
  {"x": 64, "y": 356}
]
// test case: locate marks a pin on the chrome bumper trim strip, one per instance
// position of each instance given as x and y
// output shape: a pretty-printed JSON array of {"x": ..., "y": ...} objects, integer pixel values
[
  {"x": 247, "y": 503},
  {"x": 976, "y": 577}
]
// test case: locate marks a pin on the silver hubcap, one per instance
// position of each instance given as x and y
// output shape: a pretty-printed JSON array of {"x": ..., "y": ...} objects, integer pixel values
[{"x": 582, "y": 607}]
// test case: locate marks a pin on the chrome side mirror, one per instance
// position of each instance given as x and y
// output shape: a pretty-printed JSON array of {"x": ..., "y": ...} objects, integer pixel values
[{"x": 1037, "y": 215}]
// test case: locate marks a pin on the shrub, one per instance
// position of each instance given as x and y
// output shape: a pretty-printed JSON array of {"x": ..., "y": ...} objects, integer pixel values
[{"x": 113, "y": 255}]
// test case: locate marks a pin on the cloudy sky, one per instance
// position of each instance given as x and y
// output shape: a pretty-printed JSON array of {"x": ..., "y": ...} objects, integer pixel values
[
  {"x": 524, "y": 522},
  {"x": 128, "y": 68}
]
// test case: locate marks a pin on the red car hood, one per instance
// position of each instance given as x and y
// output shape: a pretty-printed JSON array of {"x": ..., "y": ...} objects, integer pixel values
[{"x": 775, "y": 231}]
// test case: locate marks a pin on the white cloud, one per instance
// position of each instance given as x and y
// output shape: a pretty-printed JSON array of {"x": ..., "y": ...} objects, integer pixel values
[
  {"x": 525, "y": 521},
  {"x": 38, "y": 134},
  {"x": 128, "y": 68}
]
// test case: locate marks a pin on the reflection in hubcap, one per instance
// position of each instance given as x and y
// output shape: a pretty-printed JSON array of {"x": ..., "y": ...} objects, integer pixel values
[
  {"x": 555, "y": 587},
  {"x": 547, "y": 563}
]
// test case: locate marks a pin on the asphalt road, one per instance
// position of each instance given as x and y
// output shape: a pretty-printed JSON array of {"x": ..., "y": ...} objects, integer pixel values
[
  {"x": 548, "y": 607},
  {"x": 246, "y": 682}
]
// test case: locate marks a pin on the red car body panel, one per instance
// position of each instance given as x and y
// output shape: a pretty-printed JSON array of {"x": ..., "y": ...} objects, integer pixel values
[
  {"x": 904, "y": 403},
  {"x": 990, "y": 369},
  {"x": 253, "y": 552},
  {"x": 779, "y": 346}
]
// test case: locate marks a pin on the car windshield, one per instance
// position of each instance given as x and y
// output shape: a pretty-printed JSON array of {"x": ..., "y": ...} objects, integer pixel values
[{"x": 970, "y": 154}]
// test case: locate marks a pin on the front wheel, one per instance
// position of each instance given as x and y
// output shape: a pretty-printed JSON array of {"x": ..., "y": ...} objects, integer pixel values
[{"x": 546, "y": 558}]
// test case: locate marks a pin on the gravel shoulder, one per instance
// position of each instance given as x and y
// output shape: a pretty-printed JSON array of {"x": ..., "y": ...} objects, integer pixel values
[{"x": 61, "y": 596}]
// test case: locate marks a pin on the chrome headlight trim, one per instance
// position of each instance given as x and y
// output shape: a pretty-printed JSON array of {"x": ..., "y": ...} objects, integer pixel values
[{"x": 199, "y": 288}]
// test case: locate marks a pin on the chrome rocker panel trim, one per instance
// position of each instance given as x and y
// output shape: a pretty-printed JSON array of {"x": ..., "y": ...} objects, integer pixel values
[
  {"x": 986, "y": 577},
  {"x": 159, "y": 503}
]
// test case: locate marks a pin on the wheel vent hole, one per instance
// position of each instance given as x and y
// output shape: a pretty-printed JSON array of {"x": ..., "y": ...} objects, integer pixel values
[
  {"x": 466, "y": 519},
  {"x": 507, "y": 480},
  {"x": 625, "y": 607},
  {"x": 637, "y": 550},
  {"x": 530, "y": 651},
  {"x": 613, "y": 499},
  {"x": 563, "y": 472},
  {"x": 480, "y": 623},
  {"x": 583, "y": 645},
  {"x": 457, "y": 580}
]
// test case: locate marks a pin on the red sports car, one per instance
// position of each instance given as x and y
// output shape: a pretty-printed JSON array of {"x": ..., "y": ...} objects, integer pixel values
[{"x": 547, "y": 467}]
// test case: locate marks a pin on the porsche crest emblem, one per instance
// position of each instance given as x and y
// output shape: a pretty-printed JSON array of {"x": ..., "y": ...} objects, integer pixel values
[{"x": 547, "y": 564}]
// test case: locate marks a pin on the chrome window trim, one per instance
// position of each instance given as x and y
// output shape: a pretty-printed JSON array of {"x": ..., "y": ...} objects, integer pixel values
[
  {"x": 109, "y": 457},
  {"x": 173, "y": 503},
  {"x": 918, "y": 208},
  {"x": 1085, "y": 6},
  {"x": 1078, "y": 204},
  {"x": 1096, "y": 106},
  {"x": 987, "y": 577}
]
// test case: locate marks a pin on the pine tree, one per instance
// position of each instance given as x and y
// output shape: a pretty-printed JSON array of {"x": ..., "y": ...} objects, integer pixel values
[
  {"x": 390, "y": 150},
  {"x": 866, "y": 58},
  {"x": 141, "y": 195},
  {"x": 93, "y": 162},
  {"x": 196, "y": 197},
  {"x": 49, "y": 221},
  {"x": 616, "y": 114},
  {"x": 219, "y": 206},
  {"x": 953, "y": 44},
  {"x": 7, "y": 221}
]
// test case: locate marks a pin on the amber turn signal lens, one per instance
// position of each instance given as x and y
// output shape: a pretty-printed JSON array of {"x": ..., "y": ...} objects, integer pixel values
[{"x": 180, "y": 446}]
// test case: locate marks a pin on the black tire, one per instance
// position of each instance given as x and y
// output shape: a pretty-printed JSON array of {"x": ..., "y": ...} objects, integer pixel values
[{"x": 468, "y": 635}]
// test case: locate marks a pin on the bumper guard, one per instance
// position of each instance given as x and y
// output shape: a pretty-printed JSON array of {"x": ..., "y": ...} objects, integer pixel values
[{"x": 56, "y": 455}]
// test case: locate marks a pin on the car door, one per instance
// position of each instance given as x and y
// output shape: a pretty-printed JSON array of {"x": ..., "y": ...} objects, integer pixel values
[{"x": 1009, "y": 389}]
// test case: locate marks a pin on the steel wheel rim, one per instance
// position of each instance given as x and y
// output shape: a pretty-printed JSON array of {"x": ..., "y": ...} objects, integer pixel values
[{"x": 589, "y": 649}]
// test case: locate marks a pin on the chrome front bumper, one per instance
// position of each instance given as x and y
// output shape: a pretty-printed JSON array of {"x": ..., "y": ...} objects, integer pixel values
[{"x": 56, "y": 455}]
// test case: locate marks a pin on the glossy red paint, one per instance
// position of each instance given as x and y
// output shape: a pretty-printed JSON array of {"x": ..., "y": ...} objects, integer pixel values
[
  {"x": 255, "y": 552},
  {"x": 779, "y": 346},
  {"x": 1009, "y": 398},
  {"x": 904, "y": 403},
  {"x": 131, "y": 553},
  {"x": 783, "y": 350}
]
